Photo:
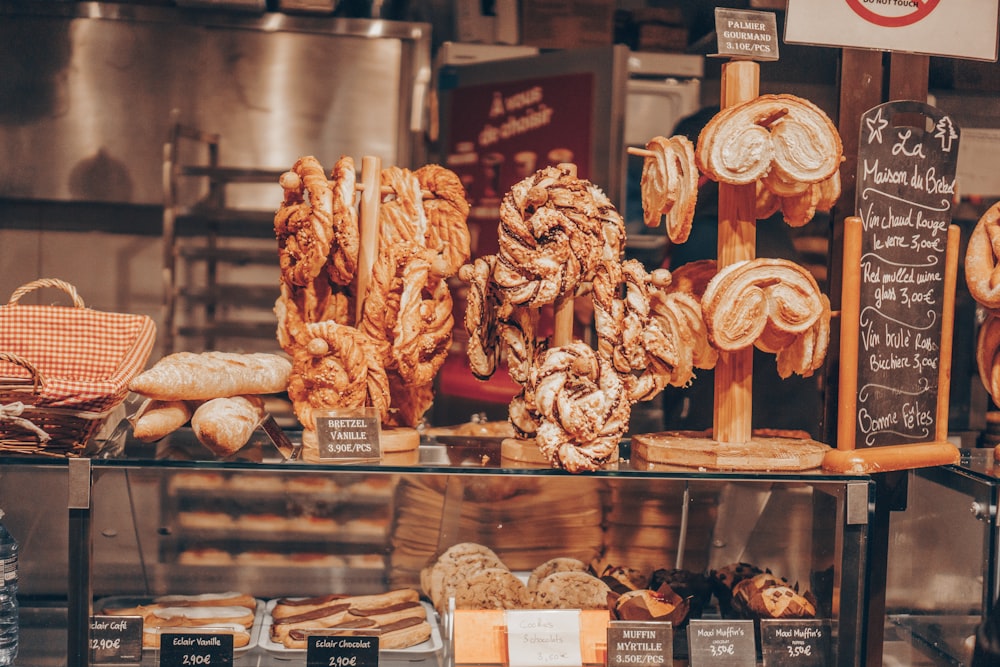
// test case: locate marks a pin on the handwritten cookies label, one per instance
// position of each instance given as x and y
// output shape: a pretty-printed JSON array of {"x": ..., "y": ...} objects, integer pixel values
[
  {"x": 544, "y": 638},
  {"x": 905, "y": 193}
]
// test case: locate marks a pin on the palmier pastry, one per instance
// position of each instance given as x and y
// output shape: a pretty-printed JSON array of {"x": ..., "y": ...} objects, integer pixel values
[
  {"x": 746, "y": 298},
  {"x": 789, "y": 134},
  {"x": 669, "y": 185},
  {"x": 981, "y": 271}
]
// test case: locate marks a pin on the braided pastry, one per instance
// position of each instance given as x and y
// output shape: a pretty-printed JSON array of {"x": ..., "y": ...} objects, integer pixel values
[
  {"x": 982, "y": 274},
  {"x": 748, "y": 297},
  {"x": 422, "y": 332},
  {"x": 551, "y": 235},
  {"x": 582, "y": 405}
]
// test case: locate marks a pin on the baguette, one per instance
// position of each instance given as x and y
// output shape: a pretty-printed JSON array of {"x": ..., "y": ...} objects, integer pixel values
[
  {"x": 224, "y": 425},
  {"x": 191, "y": 376},
  {"x": 157, "y": 419}
]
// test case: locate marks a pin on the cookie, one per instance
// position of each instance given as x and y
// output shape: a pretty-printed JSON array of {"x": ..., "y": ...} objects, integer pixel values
[
  {"x": 455, "y": 564},
  {"x": 552, "y": 566},
  {"x": 571, "y": 590},
  {"x": 492, "y": 588}
]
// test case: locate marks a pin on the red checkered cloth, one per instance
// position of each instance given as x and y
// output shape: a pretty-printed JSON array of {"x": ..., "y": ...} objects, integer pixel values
[{"x": 85, "y": 358}]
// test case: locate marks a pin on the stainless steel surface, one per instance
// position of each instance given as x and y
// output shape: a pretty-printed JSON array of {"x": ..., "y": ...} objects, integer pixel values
[{"x": 88, "y": 90}]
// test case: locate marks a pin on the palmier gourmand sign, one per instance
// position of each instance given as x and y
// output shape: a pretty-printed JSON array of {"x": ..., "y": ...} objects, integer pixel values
[{"x": 959, "y": 28}]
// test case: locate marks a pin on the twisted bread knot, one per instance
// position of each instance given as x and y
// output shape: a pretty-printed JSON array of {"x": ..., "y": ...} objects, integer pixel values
[
  {"x": 423, "y": 327},
  {"x": 343, "y": 260},
  {"x": 582, "y": 406},
  {"x": 982, "y": 260},
  {"x": 447, "y": 211},
  {"x": 553, "y": 230},
  {"x": 480, "y": 319},
  {"x": 303, "y": 224},
  {"x": 338, "y": 367}
]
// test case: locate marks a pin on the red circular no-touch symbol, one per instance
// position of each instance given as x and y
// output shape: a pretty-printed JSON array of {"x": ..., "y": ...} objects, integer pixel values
[{"x": 920, "y": 9}]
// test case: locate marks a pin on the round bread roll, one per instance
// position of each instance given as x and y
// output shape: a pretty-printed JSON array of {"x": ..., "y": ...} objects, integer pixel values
[
  {"x": 551, "y": 566},
  {"x": 571, "y": 590},
  {"x": 224, "y": 425},
  {"x": 492, "y": 588}
]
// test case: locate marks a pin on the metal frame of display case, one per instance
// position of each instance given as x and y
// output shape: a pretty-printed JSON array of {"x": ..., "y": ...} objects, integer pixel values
[{"x": 849, "y": 497}]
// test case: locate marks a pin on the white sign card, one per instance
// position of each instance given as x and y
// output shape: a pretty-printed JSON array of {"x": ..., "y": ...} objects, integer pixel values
[
  {"x": 548, "y": 637},
  {"x": 959, "y": 28}
]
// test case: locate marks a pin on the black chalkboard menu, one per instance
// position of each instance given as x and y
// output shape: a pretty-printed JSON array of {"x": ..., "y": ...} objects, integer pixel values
[{"x": 905, "y": 190}]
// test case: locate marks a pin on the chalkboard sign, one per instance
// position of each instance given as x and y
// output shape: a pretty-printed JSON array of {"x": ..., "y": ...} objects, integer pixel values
[{"x": 905, "y": 189}]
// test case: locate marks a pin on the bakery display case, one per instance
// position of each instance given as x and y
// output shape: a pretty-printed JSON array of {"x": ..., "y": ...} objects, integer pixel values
[
  {"x": 99, "y": 532},
  {"x": 942, "y": 566}
]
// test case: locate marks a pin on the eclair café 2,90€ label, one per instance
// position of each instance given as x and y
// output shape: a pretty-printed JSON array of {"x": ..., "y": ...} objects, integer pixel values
[{"x": 960, "y": 28}]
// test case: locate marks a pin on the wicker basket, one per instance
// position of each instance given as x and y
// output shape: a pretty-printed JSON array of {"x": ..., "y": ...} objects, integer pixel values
[{"x": 63, "y": 370}]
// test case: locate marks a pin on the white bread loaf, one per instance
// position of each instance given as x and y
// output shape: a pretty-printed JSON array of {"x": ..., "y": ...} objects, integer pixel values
[
  {"x": 224, "y": 425},
  {"x": 190, "y": 376}
]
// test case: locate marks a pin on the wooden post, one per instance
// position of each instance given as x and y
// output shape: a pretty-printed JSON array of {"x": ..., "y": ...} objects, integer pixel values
[
  {"x": 737, "y": 242},
  {"x": 371, "y": 198}
]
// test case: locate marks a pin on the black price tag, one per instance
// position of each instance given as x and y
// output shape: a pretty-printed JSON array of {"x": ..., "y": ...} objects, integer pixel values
[
  {"x": 195, "y": 649},
  {"x": 349, "y": 435},
  {"x": 115, "y": 640},
  {"x": 746, "y": 34},
  {"x": 795, "y": 643},
  {"x": 341, "y": 651},
  {"x": 721, "y": 643},
  {"x": 640, "y": 643}
]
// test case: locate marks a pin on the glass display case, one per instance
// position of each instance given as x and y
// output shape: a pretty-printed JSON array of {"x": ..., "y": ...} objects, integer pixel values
[
  {"x": 158, "y": 522},
  {"x": 941, "y": 577}
]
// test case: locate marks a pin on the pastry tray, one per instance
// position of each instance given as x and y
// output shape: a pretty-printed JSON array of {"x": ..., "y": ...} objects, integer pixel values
[
  {"x": 125, "y": 601},
  {"x": 425, "y": 649}
]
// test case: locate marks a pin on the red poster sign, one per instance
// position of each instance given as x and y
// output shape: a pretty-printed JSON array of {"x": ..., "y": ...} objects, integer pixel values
[{"x": 503, "y": 132}]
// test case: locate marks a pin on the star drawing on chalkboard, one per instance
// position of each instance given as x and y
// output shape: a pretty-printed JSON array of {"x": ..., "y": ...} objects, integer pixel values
[{"x": 875, "y": 126}]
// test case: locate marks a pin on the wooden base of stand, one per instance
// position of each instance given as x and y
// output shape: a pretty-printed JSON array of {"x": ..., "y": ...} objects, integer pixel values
[
  {"x": 891, "y": 457},
  {"x": 399, "y": 446},
  {"x": 521, "y": 453},
  {"x": 679, "y": 449}
]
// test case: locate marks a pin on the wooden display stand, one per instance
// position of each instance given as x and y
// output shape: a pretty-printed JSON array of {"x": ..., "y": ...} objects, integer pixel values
[
  {"x": 731, "y": 445},
  {"x": 398, "y": 444}
]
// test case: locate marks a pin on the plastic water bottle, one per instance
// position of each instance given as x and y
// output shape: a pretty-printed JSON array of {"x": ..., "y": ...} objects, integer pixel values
[{"x": 8, "y": 596}]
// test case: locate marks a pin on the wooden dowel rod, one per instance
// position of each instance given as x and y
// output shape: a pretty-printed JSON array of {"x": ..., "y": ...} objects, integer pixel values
[
  {"x": 371, "y": 178},
  {"x": 641, "y": 152},
  {"x": 947, "y": 332},
  {"x": 850, "y": 329}
]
